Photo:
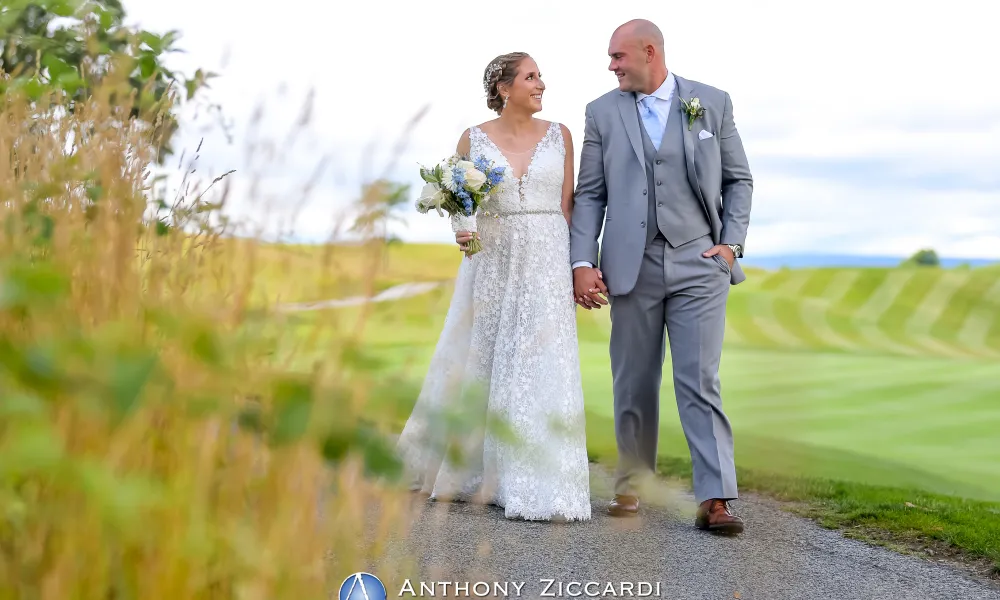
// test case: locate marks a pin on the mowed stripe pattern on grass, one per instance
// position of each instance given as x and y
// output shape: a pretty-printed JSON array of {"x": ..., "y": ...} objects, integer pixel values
[
  {"x": 881, "y": 419},
  {"x": 907, "y": 312},
  {"x": 904, "y": 311}
]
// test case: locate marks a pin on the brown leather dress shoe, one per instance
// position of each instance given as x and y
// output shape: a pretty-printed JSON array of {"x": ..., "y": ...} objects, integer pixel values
[
  {"x": 714, "y": 515},
  {"x": 624, "y": 506}
]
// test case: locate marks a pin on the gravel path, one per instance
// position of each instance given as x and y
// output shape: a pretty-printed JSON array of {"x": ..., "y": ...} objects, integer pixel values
[{"x": 780, "y": 556}]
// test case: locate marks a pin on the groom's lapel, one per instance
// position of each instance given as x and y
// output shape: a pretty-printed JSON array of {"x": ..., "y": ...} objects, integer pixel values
[
  {"x": 626, "y": 106},
  {"x": 686, "y": 92}
]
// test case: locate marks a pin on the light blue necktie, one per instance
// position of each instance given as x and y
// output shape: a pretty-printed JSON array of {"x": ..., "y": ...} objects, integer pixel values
[{"x": 651, "y": 121}]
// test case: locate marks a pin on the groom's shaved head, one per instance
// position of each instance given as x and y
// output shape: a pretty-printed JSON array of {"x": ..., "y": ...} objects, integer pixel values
[
  {"x": 636, "y": 52},
  {"x": 642, "y": 32}
]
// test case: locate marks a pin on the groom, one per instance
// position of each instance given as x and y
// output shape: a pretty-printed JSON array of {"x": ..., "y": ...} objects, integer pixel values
[{"x": 670, "y": 186}]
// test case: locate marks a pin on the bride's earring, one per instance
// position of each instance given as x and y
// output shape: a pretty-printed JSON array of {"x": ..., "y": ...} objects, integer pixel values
[{"x": 505, "y": 101}]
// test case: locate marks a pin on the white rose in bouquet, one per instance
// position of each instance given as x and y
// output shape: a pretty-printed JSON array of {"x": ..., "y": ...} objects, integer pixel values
[
  {"x": 474, "y": 178},
  {"x": 430, "y": 197}
]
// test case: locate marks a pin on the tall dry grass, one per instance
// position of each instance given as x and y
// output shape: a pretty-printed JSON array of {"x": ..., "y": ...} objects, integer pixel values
[{"x": 151, "y": 443}]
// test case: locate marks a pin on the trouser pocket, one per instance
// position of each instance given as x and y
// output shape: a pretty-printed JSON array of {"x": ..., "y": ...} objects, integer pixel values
[{"x": 721, "y": 262}]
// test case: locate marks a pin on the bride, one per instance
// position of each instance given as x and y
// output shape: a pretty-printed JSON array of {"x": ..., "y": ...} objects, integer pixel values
[{"x": 500, "y": 417}]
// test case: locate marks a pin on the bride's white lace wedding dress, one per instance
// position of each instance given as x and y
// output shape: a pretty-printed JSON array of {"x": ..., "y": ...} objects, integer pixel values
[{"x": 508, "y": 349}]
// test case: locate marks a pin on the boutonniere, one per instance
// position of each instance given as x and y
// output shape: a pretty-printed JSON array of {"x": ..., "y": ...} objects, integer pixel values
[{"x": 693, "y": 109}]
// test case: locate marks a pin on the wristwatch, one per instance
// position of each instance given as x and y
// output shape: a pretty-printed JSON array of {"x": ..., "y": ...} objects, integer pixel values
[{"x": 737, "y": 250}]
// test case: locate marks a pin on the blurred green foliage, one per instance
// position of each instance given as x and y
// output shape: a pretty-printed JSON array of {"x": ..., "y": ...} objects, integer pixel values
[{"x": 72, "y": 46}]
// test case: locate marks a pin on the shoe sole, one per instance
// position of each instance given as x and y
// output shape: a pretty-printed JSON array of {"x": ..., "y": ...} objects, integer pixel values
[
  {"x": 728, "y": 528},
  {"x": 618, "y": 512}
]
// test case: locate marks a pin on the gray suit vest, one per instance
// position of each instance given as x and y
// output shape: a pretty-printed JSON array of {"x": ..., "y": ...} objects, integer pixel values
[{"x": 673, "y": 206}]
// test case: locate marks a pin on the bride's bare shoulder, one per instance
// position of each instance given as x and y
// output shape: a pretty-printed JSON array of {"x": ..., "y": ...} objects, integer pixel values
[
  {"x": 567, "y": 136},
  {"x": 464, "y": 144},
  {"x": 486, "y": 126}
]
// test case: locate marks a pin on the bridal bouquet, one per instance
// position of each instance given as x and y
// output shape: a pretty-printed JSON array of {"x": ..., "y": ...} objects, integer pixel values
[{"x": 459, "y": 186}]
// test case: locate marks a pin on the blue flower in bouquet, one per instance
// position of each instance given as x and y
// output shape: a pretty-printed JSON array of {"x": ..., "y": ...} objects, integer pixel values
[
  {"x": 494, "y": 175},
  {"x": 458, "y": 179},
  {"x": 466, "y": 202},
  {"x": 483, "y": 164}
]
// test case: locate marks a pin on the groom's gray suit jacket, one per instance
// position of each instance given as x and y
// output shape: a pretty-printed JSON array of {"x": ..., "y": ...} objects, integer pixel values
[{"x": 613, "y": 189}]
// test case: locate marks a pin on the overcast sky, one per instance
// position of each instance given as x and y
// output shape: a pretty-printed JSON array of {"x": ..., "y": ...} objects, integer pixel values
[{"x": 871, "y": 127}]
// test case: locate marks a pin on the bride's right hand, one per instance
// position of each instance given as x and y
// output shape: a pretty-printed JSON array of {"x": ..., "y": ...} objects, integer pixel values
[{"x": 462, "y": 238}]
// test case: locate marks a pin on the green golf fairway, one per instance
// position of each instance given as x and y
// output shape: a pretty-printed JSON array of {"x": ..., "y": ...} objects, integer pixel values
[
  {"x": 879, "y": 376},
  {"x": 911, "y": 422}
]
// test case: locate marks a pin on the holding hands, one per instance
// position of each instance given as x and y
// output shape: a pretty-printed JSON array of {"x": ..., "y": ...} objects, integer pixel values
[{"x": 589, "y": 290}]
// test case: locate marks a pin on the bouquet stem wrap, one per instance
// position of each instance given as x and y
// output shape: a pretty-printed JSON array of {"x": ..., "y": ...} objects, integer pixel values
[{"x": 461, "y": 222}]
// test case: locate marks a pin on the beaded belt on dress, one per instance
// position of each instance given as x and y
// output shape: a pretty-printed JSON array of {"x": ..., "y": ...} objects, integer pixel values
[{"x": 538, "y": 211}]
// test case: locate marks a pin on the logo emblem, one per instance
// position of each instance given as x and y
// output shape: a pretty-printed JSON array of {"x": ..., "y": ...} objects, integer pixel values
[{"x": 362, "y": 586}]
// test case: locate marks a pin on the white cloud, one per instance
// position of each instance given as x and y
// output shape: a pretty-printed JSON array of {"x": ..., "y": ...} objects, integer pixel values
[
  {"x": 802, "y": 215},
  {"x": 877, "y": 97}
]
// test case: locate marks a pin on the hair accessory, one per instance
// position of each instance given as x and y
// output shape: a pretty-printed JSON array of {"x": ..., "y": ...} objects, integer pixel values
[{"x": 493, "y": 69}]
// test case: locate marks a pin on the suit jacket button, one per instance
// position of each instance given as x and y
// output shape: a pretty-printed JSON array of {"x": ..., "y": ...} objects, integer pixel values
[
  {"x": 643, "y": 224},
  {"x": 659, "y": 161},
  {"x": 643, "y": 192},
  {"x": 659, "y": 183}
]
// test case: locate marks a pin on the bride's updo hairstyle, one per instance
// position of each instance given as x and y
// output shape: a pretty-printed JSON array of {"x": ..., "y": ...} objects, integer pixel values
[{"x": 501, "y": 70}]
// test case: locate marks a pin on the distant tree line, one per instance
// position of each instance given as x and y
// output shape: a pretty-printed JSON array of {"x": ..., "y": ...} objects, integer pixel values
[{"x": 924, "y": 258}]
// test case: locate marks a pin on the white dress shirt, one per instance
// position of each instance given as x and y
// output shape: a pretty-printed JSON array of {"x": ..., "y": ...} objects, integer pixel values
[{"x": 664, "y": 96}]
